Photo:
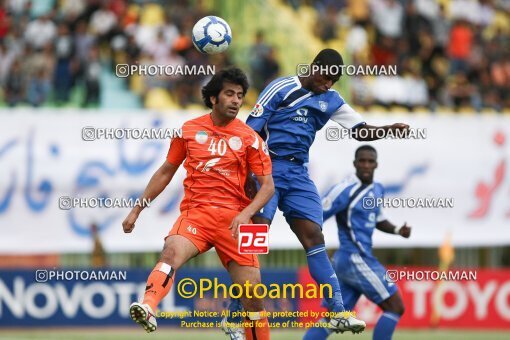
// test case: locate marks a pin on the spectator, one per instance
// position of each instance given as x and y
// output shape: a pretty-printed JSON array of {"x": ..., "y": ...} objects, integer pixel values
[
  {"x": 39, "y": 88},
  {"x": 14, "y": 41},
  {"x": 427, "y": 9},
  {"x": 83, "y": 41},
  {"x": 416, "y": 88},
  {"x": 459, "y": 48},
  {"x": 414, "y": 24},
  {"x": 40, "y": 32},
  {"x": 359, "y": 11},
  {"x": 258, "y": 51},
  {"x": 7, "y": 57},
  {"x": 14, "y": 85},
  {"x": 64, "y": 49},
  {"x": 327, "y": 27},
  {"x": 357, "y": 39},
  {"x": 19, "y": 8},
  {"x": 92, "y": 73},
  {"x": 486, "y": 13},
  {"x": 388, "y": 16},
  {"x": 132, "y": 50},
  {"x": 160, "y": 49},
  {"x": 460, "y": 90},
  {"x": 441, "y": 28},
  {"x": 71, "y": 10},
  {"x": 269, "y": 68},
  {"x": 384, "y": 53},
  {"x": 4, "y": 20},
  {"x": 500, "y": 78},
  {"x": 39, "y": 67},
  {"x": 169, "y": 30},
  {"x": 361, "y": 91},
  {"x": 432, "y": 60},
  {"x": 103, "y": 22}
]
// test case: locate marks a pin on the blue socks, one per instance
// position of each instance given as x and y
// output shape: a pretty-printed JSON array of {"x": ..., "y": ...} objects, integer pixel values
[
  {"x": 386, "y": 326},
  {"x": 322, "y": 272}
]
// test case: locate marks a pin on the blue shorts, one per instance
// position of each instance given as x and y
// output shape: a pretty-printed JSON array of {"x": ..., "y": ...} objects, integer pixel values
[
  {"x": 295, "y": 194},
  {"x": 360, "y": 274}
]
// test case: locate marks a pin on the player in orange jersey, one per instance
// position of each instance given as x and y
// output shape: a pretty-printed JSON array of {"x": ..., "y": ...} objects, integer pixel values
[{"x": 218, "y": 151}]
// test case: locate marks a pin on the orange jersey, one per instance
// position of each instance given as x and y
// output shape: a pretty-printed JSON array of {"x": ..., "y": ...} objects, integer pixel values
[{"x": 217, "y": 161}]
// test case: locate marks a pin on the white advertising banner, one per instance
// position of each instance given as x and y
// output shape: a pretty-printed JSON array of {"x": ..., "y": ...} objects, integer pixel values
[{"x": 458, "y": 162}]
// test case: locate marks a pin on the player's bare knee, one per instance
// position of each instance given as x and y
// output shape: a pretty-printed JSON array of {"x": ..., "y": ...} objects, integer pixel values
[
  {"x": 393, "y": 305},
  {"x": 398, "y": 308},
  {"x": 254, "y": 281},
  {"x": 318, "y": 238},
  {"x": 308, "y": 233},
  {"x": 313, "y": 238},
  {"x": 253, "y": 304},
  {"x": 169, "y": 254},
  {"x": 243, "y": 274}
]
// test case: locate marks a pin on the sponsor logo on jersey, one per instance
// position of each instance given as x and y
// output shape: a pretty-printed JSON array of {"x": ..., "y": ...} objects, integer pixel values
[
  {"x": 201, "y": 137},
  {"x": 257, "y": 110},
  {"x": 323, "y": 105},
  {"x": 210, "y": 163},
  {"x": 302, "y": 115},
  {"x": 235, "y": 143},
  {"x": 224, "y": 172}
]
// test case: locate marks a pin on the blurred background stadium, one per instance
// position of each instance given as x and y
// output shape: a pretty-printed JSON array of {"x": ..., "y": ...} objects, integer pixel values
[{"x": 57, "y": 75}]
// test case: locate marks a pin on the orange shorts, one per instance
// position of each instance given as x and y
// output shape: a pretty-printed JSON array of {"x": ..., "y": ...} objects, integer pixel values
[{"x": 208, "y": 227}]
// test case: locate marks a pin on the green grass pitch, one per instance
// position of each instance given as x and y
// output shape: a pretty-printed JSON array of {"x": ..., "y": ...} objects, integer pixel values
[{"x": 169, "y": 333}]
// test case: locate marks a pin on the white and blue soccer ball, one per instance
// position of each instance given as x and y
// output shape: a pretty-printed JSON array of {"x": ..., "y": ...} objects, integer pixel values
[{"x": 211, "y": 35}]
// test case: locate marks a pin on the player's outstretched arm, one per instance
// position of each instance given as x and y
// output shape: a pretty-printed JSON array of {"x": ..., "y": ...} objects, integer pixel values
[
  {"x": 387, "y": 227},
  {"x": 366, "y": 133},
  {"x": 263, "y": 196},
  {"x": 157, "y": 183}
]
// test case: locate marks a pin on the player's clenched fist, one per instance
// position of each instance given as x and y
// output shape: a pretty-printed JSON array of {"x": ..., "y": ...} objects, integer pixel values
[
  {"x": 405, "y": 231},
  {"x": 400, "y": 127},
  {"x": 129, "y": 222}
]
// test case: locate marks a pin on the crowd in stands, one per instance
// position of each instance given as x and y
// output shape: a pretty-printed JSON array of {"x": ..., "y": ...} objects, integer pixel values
[
  {"x": 47, "y": 50},
  {"x": 448, "y": 53},
  {"x": 453, "y": 54},
  {"x": 50, "y": 48}
]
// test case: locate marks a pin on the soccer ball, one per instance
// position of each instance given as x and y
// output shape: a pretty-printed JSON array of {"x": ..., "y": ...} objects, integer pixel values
[{"x": 211, "y": 35}]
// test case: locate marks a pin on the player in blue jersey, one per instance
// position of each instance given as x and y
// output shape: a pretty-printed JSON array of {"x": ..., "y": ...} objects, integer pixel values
[
  {"x": 288, "y": 113},
  {"x": 354, "y": 204}
]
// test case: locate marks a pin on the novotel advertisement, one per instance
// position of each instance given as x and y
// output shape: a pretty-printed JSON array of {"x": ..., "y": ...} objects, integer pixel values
[{"x": 199, "y": 298}]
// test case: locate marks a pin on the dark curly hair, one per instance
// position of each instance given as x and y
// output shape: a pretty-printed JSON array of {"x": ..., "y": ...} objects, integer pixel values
[{"x": 215, "y": 85}]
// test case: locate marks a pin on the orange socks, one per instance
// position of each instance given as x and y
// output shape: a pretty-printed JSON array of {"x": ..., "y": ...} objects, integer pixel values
[
  {"x": 158, "y": 284},
  {"x": 260, "y": 329}
]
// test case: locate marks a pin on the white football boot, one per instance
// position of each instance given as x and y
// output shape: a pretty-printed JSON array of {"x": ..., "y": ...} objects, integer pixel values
[
  {"x": 345, "y": 321},
  {"x": 142, "y": 314},
  {"x": 235, "y": 333}
]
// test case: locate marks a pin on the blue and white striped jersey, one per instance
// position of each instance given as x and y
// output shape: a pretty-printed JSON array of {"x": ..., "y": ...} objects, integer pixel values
[
  {"x": 287, "y": 116},
  {"x": 357, "y": 213}
]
